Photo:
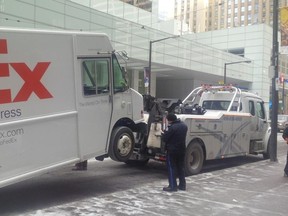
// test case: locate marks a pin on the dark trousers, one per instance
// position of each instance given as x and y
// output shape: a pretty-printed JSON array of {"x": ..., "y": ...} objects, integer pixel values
[
  {"x": 175, "y": 164},
  {"x": 286, "y": 167}
]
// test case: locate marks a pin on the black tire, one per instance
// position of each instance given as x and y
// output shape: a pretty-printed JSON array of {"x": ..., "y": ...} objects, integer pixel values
[
  {"x": 121, "y": 144},
  {"x": 138, "y": 163},
  {"x": 194, "y": 158}
]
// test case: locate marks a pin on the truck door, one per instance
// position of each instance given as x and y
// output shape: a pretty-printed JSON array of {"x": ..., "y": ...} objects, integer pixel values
[
  {"x": 258, "y": 121},
  {"x": 262, "y": 124},
  {"x": 94, "y": 105}
]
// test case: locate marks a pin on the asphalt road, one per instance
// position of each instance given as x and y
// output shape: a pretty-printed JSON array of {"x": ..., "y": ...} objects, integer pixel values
[{"x": 105, "y": 185}]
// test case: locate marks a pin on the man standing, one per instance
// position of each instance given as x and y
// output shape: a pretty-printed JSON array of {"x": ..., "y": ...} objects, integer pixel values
[
  {"x": 174, "y": 139},
  {"x": 285, "y": 137}
]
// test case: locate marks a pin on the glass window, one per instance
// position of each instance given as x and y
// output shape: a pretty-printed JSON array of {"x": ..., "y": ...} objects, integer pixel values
[
  {"x": 216, "y": 105},
  {"x": 282, "y": 118},
  {"x": 238, "y": 51},
  {"x": 251, "y": 108},
  {"x": 95, "y": 76},
  {"x": 221, "y": 105},
  {"x": 120, "y": 81},
  {"x": 260, "y": 110}
]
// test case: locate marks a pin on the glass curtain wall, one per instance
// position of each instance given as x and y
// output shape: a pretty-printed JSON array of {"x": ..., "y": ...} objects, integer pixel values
[{"x": 126, "y": 35}]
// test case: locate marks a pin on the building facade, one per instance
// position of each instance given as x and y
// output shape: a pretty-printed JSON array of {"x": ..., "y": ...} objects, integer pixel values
[
  {"x": 217, "y": 15},
  {"x": 178, "y": 64},
  {"x": 211, "y": 15}
]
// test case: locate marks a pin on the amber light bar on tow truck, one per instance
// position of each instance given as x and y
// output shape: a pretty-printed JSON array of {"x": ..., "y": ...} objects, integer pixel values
[{"x": 209, "y": 87}]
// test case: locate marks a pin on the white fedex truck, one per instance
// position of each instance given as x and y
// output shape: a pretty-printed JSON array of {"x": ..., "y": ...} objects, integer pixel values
[{"x": 63, "y": 99}]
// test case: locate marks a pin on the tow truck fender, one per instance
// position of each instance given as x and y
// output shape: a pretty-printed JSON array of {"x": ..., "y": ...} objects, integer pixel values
[{"x": 266, "y": 140}]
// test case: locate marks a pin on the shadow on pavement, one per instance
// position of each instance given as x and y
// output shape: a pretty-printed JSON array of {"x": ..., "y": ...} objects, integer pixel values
[
  {"x": 219, "y": 164},
  {"x": 64, "y": 185}
]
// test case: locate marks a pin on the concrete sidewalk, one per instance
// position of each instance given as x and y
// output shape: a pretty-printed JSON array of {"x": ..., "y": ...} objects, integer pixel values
[
  {"x": 253, "y": 189},
  {"x": 257, "y": 188}
]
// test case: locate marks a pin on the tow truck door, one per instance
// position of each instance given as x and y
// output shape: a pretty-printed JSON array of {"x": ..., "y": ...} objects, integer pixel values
[{"x": 259, "y": 122}]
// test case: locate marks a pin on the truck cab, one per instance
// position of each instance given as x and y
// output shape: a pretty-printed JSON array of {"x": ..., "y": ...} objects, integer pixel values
[{"x": 232, "y": 99}]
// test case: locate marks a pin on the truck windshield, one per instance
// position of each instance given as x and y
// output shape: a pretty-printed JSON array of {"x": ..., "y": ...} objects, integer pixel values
[
  {"x": 282, "y": 117},
  {"x": 120, "y": 82}
]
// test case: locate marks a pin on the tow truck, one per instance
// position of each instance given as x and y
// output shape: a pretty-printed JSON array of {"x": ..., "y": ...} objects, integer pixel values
[{"x": 223, "y": 122}]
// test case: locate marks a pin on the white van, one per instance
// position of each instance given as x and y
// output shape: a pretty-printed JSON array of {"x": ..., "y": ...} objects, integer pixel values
[{"x": 63, "y": 99}]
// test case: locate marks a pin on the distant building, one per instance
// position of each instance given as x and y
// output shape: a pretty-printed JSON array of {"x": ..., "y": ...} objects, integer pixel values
[{"x": 211, "y": 15}]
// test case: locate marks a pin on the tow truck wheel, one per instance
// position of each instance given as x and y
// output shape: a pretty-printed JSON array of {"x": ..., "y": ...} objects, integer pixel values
[
  {"x": 121, "y": 144},
  {"x": 194, "y": 158}
]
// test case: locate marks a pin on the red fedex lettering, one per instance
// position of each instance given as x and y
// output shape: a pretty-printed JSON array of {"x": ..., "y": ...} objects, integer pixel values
[
  {"x": 5, "y": 94},
  {"x": 32, "y": 81},
  {"x": 3, "y": 46}
]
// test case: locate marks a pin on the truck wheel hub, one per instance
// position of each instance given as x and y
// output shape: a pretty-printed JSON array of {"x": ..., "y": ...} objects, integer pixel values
[{"x": 124, "y": 145}]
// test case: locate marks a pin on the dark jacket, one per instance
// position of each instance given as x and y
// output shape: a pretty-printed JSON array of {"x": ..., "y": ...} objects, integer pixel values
[
  {"x": 175, "y": 137},
  {"x": 285, "y": 133}
]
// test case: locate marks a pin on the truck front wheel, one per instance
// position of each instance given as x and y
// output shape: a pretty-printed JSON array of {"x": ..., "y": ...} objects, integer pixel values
[
  {"x": 194, "y": 158},
  {"x": 121, "y": 144}
]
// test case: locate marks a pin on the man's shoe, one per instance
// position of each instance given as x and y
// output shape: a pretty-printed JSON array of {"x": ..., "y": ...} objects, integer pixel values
[
  {"x": 169, "y": 189},
  {"x": 285, "y": 174},
  {"x": 182, "y": 188},
  {"x": 81, "y": 166}
]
